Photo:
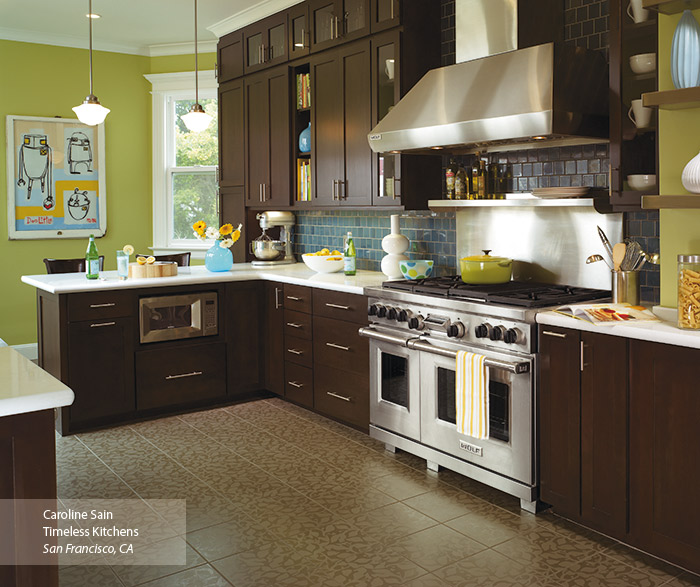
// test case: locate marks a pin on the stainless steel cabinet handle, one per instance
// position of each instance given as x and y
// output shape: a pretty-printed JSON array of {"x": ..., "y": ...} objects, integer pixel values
[
  {"x": 345, "y": 399},
  {"x": 337, "y": 346},
  {"x": 342, "y": 193},
  {"x": 295, "y": 351},
  {"x": 278, "y": 305},
  {"x": 193, "y": 374},
  {"x": 303, "y": 38},
  {"x": 102, "y": 324},
  {"x": 295, "y": 384},
  {"x": 583, "y": 346},
  {"x": 107, "y": 305},
  {"x": 294, "y": 325},
  {"x": 335, "y": 189},
  {"x": 392, "y": 9},
  {"x": 260, "y": 191},
  {"x": 338, "y": 306},
  {"x": 264, "y": 191},
  {"x": 557, "y": 334},
  {"x": 294, "y": 299}
]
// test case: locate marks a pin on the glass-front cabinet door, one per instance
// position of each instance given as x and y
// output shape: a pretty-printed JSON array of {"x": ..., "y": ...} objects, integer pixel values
[
  {"x": 385, "y": 14},
  {"x": 337, "y": 21},
  {"x": 299, "y": 31},
  {"x": 265, "y": 43},
  {"x": 253, "y": 51}
]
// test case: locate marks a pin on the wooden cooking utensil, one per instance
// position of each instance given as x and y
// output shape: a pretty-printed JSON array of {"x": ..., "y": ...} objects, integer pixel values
[{"x": 618, "y": 254}]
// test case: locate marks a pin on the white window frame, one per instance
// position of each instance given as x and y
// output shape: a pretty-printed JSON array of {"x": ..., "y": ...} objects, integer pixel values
[{"x": 168, "y": 87}]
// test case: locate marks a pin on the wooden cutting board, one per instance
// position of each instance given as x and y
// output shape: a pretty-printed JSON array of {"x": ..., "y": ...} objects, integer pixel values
[{"x": 157, "y": 269}]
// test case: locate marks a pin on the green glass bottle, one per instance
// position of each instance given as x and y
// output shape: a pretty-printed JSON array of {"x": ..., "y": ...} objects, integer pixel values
[
  {"x": 92, "y": 260},
  {"x": 349, "y": 256}
]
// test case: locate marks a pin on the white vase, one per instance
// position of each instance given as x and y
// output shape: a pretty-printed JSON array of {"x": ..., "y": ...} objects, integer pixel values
[
  {"x": 691, "y": 175},
  {"x": 394, "y": 244}
]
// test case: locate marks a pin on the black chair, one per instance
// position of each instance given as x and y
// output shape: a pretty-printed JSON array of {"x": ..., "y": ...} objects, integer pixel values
[
  {"x": 68, "y": 265},
  {"x": 182, "y": 259}
]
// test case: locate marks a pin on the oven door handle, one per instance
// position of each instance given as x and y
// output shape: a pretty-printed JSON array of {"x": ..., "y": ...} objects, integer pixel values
[
  {"x": 517, "y": 368},
  {"x": 370, "y": 332}
]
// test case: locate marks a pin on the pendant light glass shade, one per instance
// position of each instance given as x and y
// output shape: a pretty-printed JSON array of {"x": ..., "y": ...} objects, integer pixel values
[
  {"x": 91, "y": 112},
  {"x": 196, "y": 120}
]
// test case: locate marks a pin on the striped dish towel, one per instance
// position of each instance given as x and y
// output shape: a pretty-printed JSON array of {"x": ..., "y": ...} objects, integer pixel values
[{"x": 472, "y": 395}]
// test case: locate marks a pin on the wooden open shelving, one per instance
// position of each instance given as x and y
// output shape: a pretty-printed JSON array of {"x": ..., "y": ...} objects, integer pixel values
[
  {"x": 671, "y": 6},
  {"x": 689, "y": 201},
  {"x": 673, "y": 99}
]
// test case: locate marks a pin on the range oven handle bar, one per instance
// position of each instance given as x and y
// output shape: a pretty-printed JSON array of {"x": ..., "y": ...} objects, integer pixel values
[
  {"x": 517, "y": 368},
  {"x": 383, "y": 336}
]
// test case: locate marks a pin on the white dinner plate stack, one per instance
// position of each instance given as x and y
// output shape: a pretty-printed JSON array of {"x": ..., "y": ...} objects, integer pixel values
[{"x": 560, "y": 192}]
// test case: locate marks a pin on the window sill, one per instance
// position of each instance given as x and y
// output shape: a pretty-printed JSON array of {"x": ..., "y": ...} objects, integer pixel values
[{"x": 197, "y": 252}]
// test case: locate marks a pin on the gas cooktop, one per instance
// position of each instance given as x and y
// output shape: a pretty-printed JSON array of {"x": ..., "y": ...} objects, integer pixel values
[{"x": 527, "y": 294}]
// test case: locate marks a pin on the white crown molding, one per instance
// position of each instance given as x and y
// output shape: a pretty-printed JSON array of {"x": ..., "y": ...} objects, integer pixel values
[
  {"x": 74, "y": 42},
  {"x": 166, "y": 82},
  {"x": 181, "y": 48},
  {"x": 249, "y": 16}
]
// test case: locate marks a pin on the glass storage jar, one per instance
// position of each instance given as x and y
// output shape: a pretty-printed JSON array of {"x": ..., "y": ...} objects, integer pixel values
[{"x": 689, "y": 292}]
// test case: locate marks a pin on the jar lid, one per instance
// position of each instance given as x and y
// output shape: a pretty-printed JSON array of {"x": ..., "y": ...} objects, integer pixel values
[{"x": 689, "y": 258}]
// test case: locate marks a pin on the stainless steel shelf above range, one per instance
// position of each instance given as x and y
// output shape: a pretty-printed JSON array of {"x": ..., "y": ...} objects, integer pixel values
[{"x": 454, "y": 205}]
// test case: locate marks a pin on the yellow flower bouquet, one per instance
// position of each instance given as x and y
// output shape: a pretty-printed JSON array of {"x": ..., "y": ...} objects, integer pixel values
[{"x": 226, "y": 235}]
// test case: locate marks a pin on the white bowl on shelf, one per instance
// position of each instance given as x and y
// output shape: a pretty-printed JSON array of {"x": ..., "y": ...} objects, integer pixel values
[
  {"x": 323, "y": 263},
  {"x": 643, "y": 63},
  {"x": 641, "y": 182}
]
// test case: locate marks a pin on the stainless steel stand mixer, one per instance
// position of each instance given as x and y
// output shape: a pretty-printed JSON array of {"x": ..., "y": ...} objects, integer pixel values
[{"x": 273, "y": 252}]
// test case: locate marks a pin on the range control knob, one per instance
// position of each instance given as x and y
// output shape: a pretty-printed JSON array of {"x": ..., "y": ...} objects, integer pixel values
[
  {"x": 373, "y": 309},
  {"x": 416, "y": 322},
  {"x": 392, "y": 313},
  {"x": 497, "y": 333},
  {"x": 381, "y": 312},
  {"x": 455, "y": 330},
  {"x": 404, "y": 315},
  {"x": 511, "y": 336},
  {"x": 482, "y": 330}
]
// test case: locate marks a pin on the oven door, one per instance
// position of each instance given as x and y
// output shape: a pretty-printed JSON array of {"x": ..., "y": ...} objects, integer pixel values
[
  {"x": 394, "y": 384},
  {"x": 509, "y": 448}
]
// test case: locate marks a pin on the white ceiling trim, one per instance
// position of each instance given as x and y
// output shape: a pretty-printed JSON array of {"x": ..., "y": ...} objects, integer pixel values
[
  {"x": 74, "y": 42},
  {"x": 249, "y": 16},
  {"x": 164, "y": 82},
  {"x": 181, "y": 48}
]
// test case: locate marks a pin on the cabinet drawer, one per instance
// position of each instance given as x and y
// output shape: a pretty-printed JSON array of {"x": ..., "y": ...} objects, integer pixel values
[
  {"x": 342, "y": 396},
  {"x": 298, "y": 324},
  {"x": 340, "y": 305},
  {"x": 337, "y": 344},
  {"x": 100, "y": 304},
  {"x": 298, "y": 350},
  {"x": 297, "y": 297},
  {"x": 299, "y": 384},
  {"x": 181, "y": 375}
]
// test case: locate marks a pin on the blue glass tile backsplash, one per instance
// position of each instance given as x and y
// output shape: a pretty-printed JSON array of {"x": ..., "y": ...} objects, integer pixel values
[{"x": 432, "y": 235}]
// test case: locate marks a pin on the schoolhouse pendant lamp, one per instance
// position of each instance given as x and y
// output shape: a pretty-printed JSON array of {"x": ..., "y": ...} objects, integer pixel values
[
  {"x": 91, "y": 112},
  {"x": 196, "y": 120}
]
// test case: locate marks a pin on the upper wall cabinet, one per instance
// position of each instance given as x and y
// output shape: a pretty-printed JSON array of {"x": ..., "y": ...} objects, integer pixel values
[
  {"x": 385, "y": 14},
  {"x": 230, "y": 57},
  {"x": 231, "y": 133},
  {"x": 299, "y": 30},
  {"x": 337, "y": 21},
  {"x": 265, "y": 43}
]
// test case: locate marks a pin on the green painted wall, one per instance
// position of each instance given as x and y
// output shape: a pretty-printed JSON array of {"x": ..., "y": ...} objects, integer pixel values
[
  {"x": 679, "y": 141},
  {"x": 43, "y": 80}
]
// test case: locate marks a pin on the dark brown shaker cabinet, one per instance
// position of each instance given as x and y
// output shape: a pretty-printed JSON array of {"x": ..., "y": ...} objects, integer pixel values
[
  {"x": 337, "y": 21},
  {"x": 272, "y": 343},
  {"x": 299, "y": 33},
  {"x": 230, "y": 57},
  {"x": 265, "y": 43},
  {"x": 583, "y": 427},
  {"x": 232, "y": 146}
]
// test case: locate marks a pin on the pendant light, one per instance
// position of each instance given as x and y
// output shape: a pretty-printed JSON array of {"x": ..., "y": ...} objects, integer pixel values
[
  {"x": 196, "y": 120},
  {"x": 91, "y": 112}
]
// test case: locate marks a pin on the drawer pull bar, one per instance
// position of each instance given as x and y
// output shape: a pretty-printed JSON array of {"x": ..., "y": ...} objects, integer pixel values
[
  {"x": 193, "y": 374},
  {"x": 293, "y": 325},
  {"x": 345, "y": 399},
  {"x": 295, "y": 384},
  {"x": 295, "y": 351},
  {"x": 557, "y": 334},
  {"x": 338, "y": 306},
  {"x": 294, "y": 299},
  {"x": 102, "y": 324},
  {"x": 337, "y": 346},
  {"x": 108, "y": 305}
]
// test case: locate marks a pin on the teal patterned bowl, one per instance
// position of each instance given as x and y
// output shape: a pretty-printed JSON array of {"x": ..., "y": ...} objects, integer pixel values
[{"x": 417, "y": 269}]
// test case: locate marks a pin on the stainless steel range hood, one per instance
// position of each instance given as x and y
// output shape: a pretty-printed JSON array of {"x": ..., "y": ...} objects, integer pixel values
[{"x": 546, "y": 95}]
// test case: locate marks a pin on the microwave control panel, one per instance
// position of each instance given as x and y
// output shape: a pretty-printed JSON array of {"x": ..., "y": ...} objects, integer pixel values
[{"x": 210, "y": 316}]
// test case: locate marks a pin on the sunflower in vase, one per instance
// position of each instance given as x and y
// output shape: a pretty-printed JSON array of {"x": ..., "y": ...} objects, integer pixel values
[{"x": 225, "y": 234}]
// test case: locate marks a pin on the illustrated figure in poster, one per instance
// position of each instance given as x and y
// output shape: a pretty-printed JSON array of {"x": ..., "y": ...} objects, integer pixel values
[
  {"x": 35, "y": 164},
  {"x": 79, "y": 152},
  {"x": 78, "y": 204}
]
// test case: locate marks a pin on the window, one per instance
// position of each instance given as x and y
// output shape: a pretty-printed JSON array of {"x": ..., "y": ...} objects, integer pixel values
[{"x": 185, "y": 187}]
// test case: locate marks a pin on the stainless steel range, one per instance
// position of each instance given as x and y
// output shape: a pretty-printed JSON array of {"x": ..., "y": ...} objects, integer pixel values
[{"x": 415, "y": 331}]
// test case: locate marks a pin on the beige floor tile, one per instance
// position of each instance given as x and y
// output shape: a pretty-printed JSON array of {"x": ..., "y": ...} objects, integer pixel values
[
  {"x": 88, "y": 576},
  {"x": 405, "y": 484},
  {"x": 202, "y": 576},
  {"x": 445, "y": 503},
  {"x": 684, "y": 580},
  {"x": 428, "y": 580},
  {"x": 392, "y": 522},
  {"x": 642, "y": 561},
  {"x": 231, "y": 537},
  {"x": 492, "y": 525},
  {"x": 132, "y": 575},
  {"x": 602, "y": 571}
]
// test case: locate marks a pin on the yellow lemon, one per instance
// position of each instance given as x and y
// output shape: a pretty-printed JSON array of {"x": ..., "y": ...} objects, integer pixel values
[
  {"x": 334, "y": 252},
  {"x": 141, "y": 260},
  {"x": 150, "y": 260},
  {"x": 128, "y": 249}
]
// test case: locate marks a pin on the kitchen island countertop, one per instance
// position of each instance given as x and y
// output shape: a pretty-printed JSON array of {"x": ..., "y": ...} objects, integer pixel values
[
  {"x": 297, "y": 274},
  {"x": 665, "y": 331},
  {"x": 28, "y": 388}
]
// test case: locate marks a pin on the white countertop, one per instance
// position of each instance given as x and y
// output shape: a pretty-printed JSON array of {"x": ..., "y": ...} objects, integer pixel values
[
  {"x": 665, "y": 331},
  {"x": 297, "y": 274},
  {"x": 28, "y": 388}
]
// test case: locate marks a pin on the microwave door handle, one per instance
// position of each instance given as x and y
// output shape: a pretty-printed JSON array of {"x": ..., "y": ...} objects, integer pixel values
[{"x": 517, "y": 368}]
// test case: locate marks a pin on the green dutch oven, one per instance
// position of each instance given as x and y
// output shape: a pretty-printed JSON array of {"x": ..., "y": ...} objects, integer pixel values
[{"x": 485, "y": 269}]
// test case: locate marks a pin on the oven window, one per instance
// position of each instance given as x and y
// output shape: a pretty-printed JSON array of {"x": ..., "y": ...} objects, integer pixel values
[
  {"x": 499, "y": 404},
  {"x": 395, "y": 379},
  {"x": 170, "y": 317}
]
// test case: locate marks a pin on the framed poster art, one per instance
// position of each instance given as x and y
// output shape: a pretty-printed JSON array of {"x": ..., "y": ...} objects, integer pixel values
[{"x": 55, "y": 178}]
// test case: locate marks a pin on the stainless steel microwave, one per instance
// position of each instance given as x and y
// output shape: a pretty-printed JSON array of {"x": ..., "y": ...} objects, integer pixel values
[{"x": 178, "y": 316}]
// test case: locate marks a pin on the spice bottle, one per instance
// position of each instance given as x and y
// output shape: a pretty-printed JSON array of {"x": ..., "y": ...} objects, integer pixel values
[
  {"x": 450, "y": 173},
  {"x": 461, "y": 184}
]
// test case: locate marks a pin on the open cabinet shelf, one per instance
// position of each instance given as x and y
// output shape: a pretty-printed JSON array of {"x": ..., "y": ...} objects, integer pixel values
[
  {"x": 690, "y": 201},
  {"x": 673, "y": 99},
  {"x": 671, "y": 6}
]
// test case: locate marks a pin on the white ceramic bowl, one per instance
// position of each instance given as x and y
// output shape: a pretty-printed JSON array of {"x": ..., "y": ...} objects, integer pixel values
[
  {"x": 416, "y": 268},
  {"x": 641, "y": 182},
  {"x": 325, "y": 264},
  {"x": 643, "y": 63}
]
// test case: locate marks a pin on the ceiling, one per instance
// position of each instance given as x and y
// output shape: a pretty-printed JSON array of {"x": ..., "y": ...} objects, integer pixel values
[{"x": 144, "y": 27}]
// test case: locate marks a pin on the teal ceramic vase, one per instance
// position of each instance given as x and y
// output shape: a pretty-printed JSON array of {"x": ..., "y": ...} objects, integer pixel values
[
  {"x": 218, "y": 258},
  {"x": 685, "y": 52},
  {"x": 305, "y": 140}
]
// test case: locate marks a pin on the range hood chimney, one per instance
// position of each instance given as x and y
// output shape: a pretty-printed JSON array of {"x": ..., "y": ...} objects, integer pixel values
[{"x": 502, "y": 96}]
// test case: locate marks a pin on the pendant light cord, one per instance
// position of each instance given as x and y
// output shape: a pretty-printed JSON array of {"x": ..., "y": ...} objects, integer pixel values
[
  {"x": 90, "y": 52},
  {"x": 196, "y": 66}
]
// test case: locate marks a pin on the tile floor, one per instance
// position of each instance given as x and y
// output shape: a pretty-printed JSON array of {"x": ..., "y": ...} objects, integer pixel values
[{"x": 279, "y": 496}]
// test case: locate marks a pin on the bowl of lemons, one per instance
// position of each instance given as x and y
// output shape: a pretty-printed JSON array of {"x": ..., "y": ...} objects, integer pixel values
[{"x": 324, "y": 261}]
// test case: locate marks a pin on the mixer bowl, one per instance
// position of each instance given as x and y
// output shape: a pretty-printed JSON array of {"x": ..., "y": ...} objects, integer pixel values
[{"x": 267, "y": 250}]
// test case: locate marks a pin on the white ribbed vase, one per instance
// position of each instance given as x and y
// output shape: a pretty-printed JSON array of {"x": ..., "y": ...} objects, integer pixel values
[
  {"x": 691, "y": 175},
  {"x": 395, "y": 244},
  {"x": 685, "y": 52}
]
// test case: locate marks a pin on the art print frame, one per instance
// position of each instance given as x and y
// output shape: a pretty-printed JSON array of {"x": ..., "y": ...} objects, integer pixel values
[{"x": 56, "y": 179}]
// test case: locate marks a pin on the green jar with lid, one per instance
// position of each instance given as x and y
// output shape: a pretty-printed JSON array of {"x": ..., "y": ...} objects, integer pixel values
[{"x": 689, "y": 292}]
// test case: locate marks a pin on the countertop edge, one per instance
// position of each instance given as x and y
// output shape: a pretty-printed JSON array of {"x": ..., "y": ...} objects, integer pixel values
[{"x": 36, "y": 403}]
